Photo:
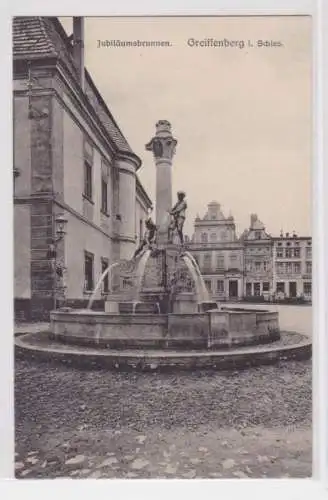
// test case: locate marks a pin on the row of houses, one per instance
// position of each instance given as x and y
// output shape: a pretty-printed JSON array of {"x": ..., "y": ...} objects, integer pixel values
[{"x": 254, "y": 265}]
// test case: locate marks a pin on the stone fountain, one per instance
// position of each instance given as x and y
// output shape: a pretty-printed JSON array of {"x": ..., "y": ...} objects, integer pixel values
[{"x": 158, "y": 300}]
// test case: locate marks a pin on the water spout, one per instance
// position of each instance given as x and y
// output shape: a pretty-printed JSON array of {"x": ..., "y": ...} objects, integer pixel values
[
  {"x": 141, "y": 271},
  {"x": 101, "y": 279},
  {"x": 202, "y": 292}
]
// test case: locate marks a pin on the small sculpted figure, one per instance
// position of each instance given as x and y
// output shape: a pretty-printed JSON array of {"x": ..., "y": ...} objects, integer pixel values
[
  {"x": 178, "y": 213},
  {"x": 149, "y": 237}
]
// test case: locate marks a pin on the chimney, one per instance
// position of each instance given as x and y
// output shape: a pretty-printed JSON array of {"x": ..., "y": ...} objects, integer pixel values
[
  {"x": 253, "y": 219},
  {"x": 78, "y": 47}
]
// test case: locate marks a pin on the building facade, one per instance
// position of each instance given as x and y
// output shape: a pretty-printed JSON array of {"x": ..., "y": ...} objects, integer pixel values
[
  {"x": 292, "y": 258},
  {"x": 219, "y": 253},
  {"x": 254, "y": 266},
  {"x": 70, "y": 157},
  {"x": 258, "y": 262}
]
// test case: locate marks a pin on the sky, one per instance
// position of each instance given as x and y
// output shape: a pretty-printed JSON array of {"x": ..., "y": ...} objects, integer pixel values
[{"x": 242, "y": 116}]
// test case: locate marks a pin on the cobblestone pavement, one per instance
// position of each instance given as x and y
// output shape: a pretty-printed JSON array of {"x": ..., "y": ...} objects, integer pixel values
[{"x": 100, "y": 424}]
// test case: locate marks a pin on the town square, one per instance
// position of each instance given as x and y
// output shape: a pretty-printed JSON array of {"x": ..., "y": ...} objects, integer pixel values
[{"x": 162, "y": 283}]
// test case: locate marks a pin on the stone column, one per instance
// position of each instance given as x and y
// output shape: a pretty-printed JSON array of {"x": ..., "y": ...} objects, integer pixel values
[{"x": 163, "y": 147}]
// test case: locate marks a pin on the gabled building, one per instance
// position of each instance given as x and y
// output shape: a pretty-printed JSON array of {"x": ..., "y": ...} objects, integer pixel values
[
  {"x": 70, "y": 157},
  {"x": 219, "y": 253},
  {"x": 257, "y": 260},
  {"x": 255, "y": 266}
]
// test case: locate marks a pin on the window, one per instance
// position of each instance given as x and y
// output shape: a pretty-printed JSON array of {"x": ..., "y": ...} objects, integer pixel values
[
  {"x": 280, "y": 267},
  {"x": 104, "y": 194},
  {"x": 140, "y": 230},
  {"x": 266, "y": 286},
  {"x": 280, "y": 252},
  {"x": 88, "y": 163},
  {"x": 309, "y": 253},
  {"x": 88, "y": 271},
  {"x": 265, "y": 266},
  {"x": 288, "y": 267},
  {"x": 258, "y": 235},
  {"x": 204, "y": 237},
  {"x": 257, "y": 289},
  {"x": 220, "y": 262},
  {"x": 207, "y": 261},
  {"x": 88, "y": 180},
  {"x": 307, "y": 288},
  {"x": 297, "y": 268},
  {"x": 279, "y": 244},
  {"x": 104, "y": 266},
  {"x": 288, "y": 253},
  {"x": 297, "y": 253},
  {"x": 208, "y": 285},
  {"x": 281, "y": 287},
  {"x": 220, "y": 286},
  {"x": 308, "y": 267},
  {"x": 213, "y": 236},
  {"x": 257, "y": 266}
]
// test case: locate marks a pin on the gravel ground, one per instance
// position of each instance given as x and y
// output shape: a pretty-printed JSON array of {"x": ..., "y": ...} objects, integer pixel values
[{"x": 253, "y": 423}]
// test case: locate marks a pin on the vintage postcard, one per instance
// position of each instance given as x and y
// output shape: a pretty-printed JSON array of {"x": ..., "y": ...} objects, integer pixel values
[{"x": 163, "y": 247}]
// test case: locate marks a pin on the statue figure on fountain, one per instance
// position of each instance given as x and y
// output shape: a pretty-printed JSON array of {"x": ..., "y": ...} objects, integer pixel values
[
  {"x": 149, "y": 238},
  {"x": 178, "y": 213}
]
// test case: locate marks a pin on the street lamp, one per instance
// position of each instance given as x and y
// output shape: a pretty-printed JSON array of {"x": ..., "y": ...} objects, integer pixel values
[
  {"x": 60, "y": 225},
  {"x": 16, "y": 173}
]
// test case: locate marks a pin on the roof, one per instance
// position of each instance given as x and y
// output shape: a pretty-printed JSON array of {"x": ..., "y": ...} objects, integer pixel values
[
  {"x": 44, "y": 37},
  {"x": 141, "y": 190},
  {"x": 291, "y": 238},
  {"x": 36, "y": 37}
]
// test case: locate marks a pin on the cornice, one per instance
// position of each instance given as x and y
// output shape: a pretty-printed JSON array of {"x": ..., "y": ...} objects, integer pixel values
[
  {"x": 129, "y": 157},
  {"x": 46, "y": 197}
]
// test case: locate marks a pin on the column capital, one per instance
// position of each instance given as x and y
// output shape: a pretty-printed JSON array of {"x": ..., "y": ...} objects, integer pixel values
[{"x": 163, "y": 144}]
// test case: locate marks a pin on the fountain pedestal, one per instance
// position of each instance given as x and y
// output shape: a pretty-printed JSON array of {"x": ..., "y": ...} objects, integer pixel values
[{"x": 185, "y": 303}]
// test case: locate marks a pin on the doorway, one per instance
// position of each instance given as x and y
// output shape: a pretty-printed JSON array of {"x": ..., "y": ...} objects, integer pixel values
[
  {"x": 257, "y": 289},
  {"x": 292, "y": 289},
  {"x": 233, "y": 289}
]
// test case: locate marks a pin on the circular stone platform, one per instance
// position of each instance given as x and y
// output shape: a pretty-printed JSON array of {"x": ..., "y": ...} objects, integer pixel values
[
  {"x": 40, "y": 346},
  {"x": 212, "y": 328}
]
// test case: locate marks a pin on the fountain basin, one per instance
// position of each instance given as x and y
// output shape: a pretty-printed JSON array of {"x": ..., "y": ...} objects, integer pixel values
[{"x": 207, "y": 330}]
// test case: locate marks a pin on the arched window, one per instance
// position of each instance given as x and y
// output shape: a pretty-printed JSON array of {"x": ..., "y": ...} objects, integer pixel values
[{"x": 204, "y": 238}]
